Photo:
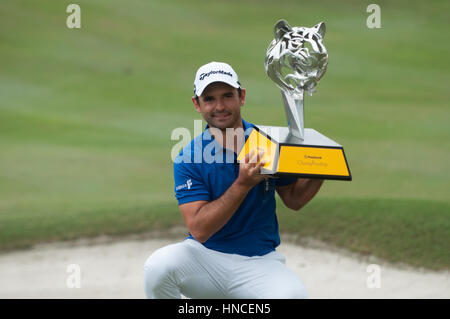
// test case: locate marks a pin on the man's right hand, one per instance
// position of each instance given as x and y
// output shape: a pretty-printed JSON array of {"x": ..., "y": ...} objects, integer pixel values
[{"x": 249, "y": 169}]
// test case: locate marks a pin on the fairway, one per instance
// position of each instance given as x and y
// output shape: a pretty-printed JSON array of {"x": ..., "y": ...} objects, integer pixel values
[{"x": 86, "y": 117}]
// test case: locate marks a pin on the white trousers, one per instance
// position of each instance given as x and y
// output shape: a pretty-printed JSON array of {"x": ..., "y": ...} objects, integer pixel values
[{"x": 191, "y": 269}]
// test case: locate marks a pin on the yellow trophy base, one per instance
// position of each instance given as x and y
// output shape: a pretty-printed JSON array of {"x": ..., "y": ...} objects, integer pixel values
[{"x": 316, "y": 156}]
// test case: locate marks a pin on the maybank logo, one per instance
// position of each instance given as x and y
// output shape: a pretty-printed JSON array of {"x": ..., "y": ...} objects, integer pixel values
[
  {"x": 312, "y": 157},
  {"x": 187, "y": 185}
]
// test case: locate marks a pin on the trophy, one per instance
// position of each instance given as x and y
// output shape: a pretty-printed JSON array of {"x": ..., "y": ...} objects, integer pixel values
[{"x": 296, "y": 60}]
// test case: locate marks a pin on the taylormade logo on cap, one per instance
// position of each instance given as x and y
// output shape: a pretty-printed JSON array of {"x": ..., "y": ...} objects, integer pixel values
[
  {"x": 214, "y": 72},
  {"x": 203, "y": 75}
]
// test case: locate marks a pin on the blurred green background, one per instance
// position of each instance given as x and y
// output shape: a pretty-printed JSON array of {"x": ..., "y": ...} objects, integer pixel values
[{"x": 86, "y": 116}]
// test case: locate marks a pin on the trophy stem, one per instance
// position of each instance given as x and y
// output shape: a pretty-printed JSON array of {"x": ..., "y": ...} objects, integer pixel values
[{"x": 293, "y": 105}]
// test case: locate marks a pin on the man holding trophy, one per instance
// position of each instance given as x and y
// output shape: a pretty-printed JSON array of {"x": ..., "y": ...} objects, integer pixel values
[{"x": 229, "y": 205}]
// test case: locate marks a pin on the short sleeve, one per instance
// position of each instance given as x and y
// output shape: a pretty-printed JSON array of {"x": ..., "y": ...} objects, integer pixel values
[
  {"x": 189, "y": 184},
  {"x": 284, "y": 181}
]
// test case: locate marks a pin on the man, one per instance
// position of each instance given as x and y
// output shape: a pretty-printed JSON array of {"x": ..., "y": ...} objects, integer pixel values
[{"x": 228, "y": 207}]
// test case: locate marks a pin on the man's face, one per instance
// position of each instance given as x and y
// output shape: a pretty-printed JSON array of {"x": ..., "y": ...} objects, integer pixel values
[{"x": 220, "y": 105}]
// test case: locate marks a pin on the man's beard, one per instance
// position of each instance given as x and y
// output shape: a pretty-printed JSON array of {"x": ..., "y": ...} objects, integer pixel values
[{"x": 230, "y": 121}]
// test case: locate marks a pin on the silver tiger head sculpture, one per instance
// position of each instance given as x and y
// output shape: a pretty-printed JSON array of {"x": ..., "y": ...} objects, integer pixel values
[{"x": 296, "y": 59}]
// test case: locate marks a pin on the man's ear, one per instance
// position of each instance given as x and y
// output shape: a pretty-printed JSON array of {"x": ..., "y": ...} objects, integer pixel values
[
  {"x": 197, "y": 106},
  {"x": 242, "y": 97}
]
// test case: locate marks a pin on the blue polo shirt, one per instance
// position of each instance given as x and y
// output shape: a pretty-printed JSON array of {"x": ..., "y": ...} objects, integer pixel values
[{"x": 204, "y": 170}]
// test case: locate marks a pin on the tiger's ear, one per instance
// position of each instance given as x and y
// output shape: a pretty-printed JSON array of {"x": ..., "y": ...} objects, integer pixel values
[
  {"x": 320, "y": 28},
  {"x": 281, "y": 27}
]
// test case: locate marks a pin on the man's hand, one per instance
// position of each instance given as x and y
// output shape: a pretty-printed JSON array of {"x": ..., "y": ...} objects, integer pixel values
[{"x": 249, "y": 169}]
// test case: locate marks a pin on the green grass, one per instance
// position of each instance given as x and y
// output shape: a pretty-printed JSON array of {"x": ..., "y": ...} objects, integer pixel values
[
  {"x": 398, "y": 230},
  {"x": 86, "y": 116}
]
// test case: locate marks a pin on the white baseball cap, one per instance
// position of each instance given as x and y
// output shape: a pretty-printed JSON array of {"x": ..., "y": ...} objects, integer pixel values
[{"x": 214, "y": 72}]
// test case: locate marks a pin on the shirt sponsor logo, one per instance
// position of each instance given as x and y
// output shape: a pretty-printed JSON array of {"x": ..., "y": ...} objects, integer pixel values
[{"x": 187, "y": 185}]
